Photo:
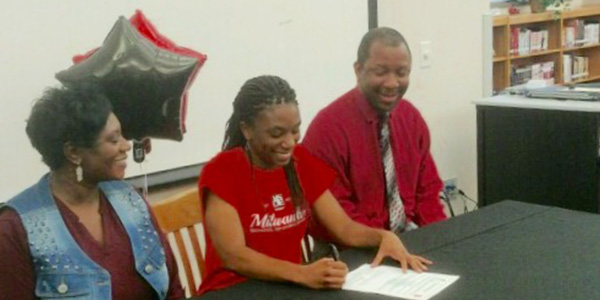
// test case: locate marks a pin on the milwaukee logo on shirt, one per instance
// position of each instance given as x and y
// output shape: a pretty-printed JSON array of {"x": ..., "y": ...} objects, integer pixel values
[
  {"x": 270, "y": 222},
  {"x": 278, "y": 203}
]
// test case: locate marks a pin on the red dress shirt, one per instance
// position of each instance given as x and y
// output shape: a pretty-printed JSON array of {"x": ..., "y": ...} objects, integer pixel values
[{"x": 345, "y": 134}]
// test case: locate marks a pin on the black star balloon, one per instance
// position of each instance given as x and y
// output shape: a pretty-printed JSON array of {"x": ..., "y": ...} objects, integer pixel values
[{"x": 145, "y": 77}]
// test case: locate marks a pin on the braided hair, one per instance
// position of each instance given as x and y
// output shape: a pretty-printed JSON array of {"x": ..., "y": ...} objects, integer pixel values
[{"x": 254, "y": 96}]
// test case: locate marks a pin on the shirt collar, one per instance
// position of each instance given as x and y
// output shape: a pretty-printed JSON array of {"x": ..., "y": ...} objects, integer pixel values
[{"x": 370, "y": 113}]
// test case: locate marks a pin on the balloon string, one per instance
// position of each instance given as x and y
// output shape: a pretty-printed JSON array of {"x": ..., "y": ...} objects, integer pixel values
[{"x": 145, "y": 187}]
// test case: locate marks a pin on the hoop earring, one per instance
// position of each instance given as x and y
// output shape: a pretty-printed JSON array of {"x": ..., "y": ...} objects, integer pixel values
[{"x": 79, "y": 173}]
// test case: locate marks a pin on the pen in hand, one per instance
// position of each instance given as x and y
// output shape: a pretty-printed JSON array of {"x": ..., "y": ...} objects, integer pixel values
[{"x": 334, "y": 252}]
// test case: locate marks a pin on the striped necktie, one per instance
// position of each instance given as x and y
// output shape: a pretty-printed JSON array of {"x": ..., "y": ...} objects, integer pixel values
[{"x": 397, "y": 215}]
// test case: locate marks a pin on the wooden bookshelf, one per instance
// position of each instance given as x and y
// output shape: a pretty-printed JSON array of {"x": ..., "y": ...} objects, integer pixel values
[
  {"x": 535, "y": 53},
  {"x": 504, "y": 62},
  {"x": 566, "y": 49}
]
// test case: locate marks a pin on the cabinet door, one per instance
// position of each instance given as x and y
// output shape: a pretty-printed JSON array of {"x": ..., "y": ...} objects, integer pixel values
[{"x": 538, "y": 156}]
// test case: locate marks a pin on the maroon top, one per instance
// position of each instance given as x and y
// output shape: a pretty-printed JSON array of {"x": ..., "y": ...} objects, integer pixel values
[
  {"x": 345, "y": 134},
  {"x": 17, "y": 275}
]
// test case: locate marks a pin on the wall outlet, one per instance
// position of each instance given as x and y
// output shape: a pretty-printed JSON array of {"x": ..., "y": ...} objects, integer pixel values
[
  {"x": 451, "y": 187},
  {"x": 425, "y": 54}
]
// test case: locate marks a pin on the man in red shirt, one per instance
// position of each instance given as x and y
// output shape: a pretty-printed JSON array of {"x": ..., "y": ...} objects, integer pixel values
[{"x": 346, "y": 134}]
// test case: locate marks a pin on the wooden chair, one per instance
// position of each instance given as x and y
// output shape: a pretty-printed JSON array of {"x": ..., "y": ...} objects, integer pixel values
[
  {"x": 180, "y": 217},
  {"x": 307, "y": 246}
]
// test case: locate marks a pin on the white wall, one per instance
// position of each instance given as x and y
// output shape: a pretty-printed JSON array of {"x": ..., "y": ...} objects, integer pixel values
[
  {"x": 39, "y": 38},
  {"x": 310, "y": 43},
  {"x": 444, "y": 92}
]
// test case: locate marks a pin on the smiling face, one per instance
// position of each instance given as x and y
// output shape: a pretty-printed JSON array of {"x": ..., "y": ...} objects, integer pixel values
[
  {"x": 107, "y": 159},
  {"x": 384, "y": 76},
  {"x": 273, "y": 135}
]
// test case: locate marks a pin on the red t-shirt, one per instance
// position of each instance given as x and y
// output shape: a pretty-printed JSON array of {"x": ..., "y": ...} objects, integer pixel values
[
  {"x": 264, "y": 205},
  {"x": 17, "y": 275}
]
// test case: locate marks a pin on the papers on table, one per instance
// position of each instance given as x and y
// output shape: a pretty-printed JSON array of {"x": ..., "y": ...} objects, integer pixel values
[
  {"x": 580, "y": 89},
  {"x": 391, "y": 281}
]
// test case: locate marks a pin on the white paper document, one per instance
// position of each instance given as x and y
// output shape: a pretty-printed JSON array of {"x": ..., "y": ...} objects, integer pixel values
[{"x": 391, "y": 281}]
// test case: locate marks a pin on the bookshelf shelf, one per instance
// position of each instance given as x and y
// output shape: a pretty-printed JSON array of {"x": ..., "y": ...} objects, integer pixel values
[
  {"x": 581, "y": 13},
  {"x": 587, "y": 79},
  {"x": 537, "y": 53},
  {"x": 530, "y": 18},
  {"x": 500, "y": 21},
  {"x": 545, "y": 44},
  {"x": 581, "y": 47}
]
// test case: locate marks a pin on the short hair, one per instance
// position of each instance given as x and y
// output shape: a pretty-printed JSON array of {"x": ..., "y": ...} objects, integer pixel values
[
  {"x": 388, "y": 36},
  {"x": 75, "y": 114}
]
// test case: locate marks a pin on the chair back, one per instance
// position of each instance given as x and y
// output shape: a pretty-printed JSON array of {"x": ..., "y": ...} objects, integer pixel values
[
  {"x": 307, "y": 246},
  {"x": 180, "y": 217}
]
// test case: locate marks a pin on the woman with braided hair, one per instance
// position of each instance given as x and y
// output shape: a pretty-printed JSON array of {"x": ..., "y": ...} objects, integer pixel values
[{"x": 260, "y": 192}]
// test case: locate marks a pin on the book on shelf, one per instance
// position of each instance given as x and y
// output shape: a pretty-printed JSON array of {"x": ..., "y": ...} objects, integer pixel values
[
  {"x": 524, "y": 35},
  {"x": 563, "y": 50},
  {"x": 577, "y": 33},
  {"x": 526, "y": 40},
  {"x": 569, "y": 36},
  {"x": 575, "y": 67},
  {"x": 567, "y": 68},
  {"x": 548, "y": 72},
  {"x": 580, "y": 67},
  {"x": 538, "y": 71}
]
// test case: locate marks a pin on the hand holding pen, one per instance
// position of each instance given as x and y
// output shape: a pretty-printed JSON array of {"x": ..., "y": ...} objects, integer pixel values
[
  {"x": 335, "y": 254},
  {"x": 325, "y": 273}
]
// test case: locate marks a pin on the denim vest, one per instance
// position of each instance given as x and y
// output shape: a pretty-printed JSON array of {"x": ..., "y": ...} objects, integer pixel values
[{"x": 62, "y": 268}]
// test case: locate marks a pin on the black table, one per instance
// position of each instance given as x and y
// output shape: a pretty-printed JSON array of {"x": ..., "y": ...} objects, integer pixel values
[{"x": 508, "y": 250}]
